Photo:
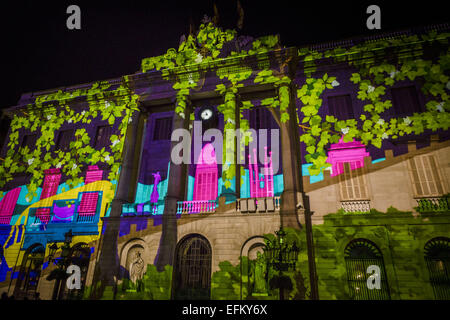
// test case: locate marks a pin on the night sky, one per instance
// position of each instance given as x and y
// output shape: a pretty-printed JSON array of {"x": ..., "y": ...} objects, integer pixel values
[{"x": 39, "y": 52}]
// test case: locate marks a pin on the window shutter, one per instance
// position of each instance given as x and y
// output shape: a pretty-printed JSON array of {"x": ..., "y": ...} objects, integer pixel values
[
  {"x": 352, "y": 182},
  {"x": 405, "y": 100},
  {"x": 341, "y": 107},
  {"x": 425, "y": 176},
  {"x": 88, "y": 204}
]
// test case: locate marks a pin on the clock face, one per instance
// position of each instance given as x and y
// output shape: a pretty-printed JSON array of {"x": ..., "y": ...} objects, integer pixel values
[{"x": 206, "y": 114}]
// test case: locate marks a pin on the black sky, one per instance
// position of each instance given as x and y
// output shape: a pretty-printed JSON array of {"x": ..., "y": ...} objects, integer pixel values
[{"x": 39, "y": 52}]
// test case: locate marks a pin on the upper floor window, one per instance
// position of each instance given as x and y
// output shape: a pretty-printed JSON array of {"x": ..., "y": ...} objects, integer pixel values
[
  {"x": 341, "y": 107},
  {"x": 425, "y": 176},
  {"x": 64, "y": 139},
  {"x": 102, "y": 136},
  {"x": 260, "y": 118},
  {"x": 162, "y": 129},
  {"x": 405, "y": 100},
  {"x": 29, "y": 141},
  {"x": 352, "y": 182}
]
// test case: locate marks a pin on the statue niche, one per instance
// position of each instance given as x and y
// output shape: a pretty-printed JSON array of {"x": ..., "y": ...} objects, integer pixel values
[
  {"x": 136, "y": 266},
  {"x": 258, "y": 274}
]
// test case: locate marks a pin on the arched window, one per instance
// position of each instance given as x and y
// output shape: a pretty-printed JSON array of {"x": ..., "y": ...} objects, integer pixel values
[
  {"x": 437, "y": 257},
  {"x": 31, "y": 271},
  {"x": 360, "y": 254},
  {"x": 80, "y": 256},
  {"x": 192, "y": 272}
]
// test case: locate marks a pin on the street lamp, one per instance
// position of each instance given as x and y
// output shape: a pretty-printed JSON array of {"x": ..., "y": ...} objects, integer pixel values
[{"x": 282, "y": 256}]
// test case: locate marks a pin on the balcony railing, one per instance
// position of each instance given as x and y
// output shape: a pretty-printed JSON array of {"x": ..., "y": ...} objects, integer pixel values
[
  {"x": 267, "y": 204},
  {"x": 86, "y": 218},
  {"x": 433, "y": 204},
  {"x": 141, "y": 209},
  {"x": 35, "y": 220},
  {"x": 199, "y": 206},
  {"x": 356, "y": 206},
  {"x": 5, "y": 219}
]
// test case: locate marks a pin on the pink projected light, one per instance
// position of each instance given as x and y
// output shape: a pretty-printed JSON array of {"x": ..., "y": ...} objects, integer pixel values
[
  {"x": 205, "y": 185},
  {"x": 7, "y": 205},
  {"x": 51, "y": 183},
  {"x": 255, "y": 181},
  {"x": 89, "y": 200},
  {"x": 93, "y": 174},
  {"x": 353, "y": 152}
]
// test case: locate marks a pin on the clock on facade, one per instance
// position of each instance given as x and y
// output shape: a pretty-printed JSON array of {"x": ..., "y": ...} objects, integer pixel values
[{"x": 206, "y": 114}]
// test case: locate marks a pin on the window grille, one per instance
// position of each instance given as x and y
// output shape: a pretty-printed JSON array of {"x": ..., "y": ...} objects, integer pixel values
[
  {"x": 359, "y": 255},
  {"x": 193, "y": 269},
  {"x": 31, "y": 269},
  {"x": 437, "y": 258}
]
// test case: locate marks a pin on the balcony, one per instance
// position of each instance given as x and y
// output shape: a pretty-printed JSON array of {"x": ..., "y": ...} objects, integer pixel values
[
  {"x": 142, "y": 209},
  {"x": 352, "y": 206},
  {"x": 199, "y": 206},
  {"x": 433, "y": 204},
  {"x": 260, "y": 205}
]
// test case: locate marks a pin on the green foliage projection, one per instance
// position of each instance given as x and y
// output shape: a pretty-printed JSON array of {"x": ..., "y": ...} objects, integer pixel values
[
  {"x": 377, "y": 72},
  {"x": 154, "y": 285},
  {"x": 198, "y": 54},
  {"x": 48, "y": 113}
]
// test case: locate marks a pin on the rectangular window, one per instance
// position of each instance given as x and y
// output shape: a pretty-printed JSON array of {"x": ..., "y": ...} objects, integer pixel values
[
  {"x": 341, "y": 107},
  {"x": 425, "y": 176},
  {"x": 88, "y": 203},
  {"x": 102, "y": 138},
  {"x": 352, "y": 183},
  {"x": 163, "y": 129},
  {"x": 260, "y": 118},
  {"x": 64, "y": 139},
  {"x": 405, "y": 100},
  {"x": 29, "y": 141}
]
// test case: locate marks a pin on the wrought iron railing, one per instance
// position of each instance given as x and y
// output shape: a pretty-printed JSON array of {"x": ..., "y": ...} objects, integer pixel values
[
  {"x": 199, "y": 206},
  {"x": 86, "y": 218},
  {"x": 355, "y": 206},
  {"x": 267, "y": 204},
  {"x": 433, "y": 204}
]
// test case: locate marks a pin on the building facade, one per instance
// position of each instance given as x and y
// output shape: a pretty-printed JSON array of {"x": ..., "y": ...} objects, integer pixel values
[{"x": 145, "y": 184}]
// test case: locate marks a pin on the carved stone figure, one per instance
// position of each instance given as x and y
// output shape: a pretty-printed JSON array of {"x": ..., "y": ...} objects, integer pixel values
[
  {"x": 260, "y": 281},
  {"x": 136, "y": 268}
]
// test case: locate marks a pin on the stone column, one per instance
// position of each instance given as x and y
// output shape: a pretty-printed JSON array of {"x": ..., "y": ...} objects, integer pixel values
[
  {"x": 237, "y": 146},
  {"x": 231, "y": 193},
  {"x": 108, "y": 264},
  {"x": 175, "y": 192},
  {"x": 292, "y": 209}
]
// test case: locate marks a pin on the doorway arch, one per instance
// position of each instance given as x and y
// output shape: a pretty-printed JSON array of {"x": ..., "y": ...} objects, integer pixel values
[{"x": 192, "y": 272}]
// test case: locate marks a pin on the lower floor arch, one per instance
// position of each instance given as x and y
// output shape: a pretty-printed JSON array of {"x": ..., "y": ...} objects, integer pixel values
[{"x": 192, "y": 268}]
